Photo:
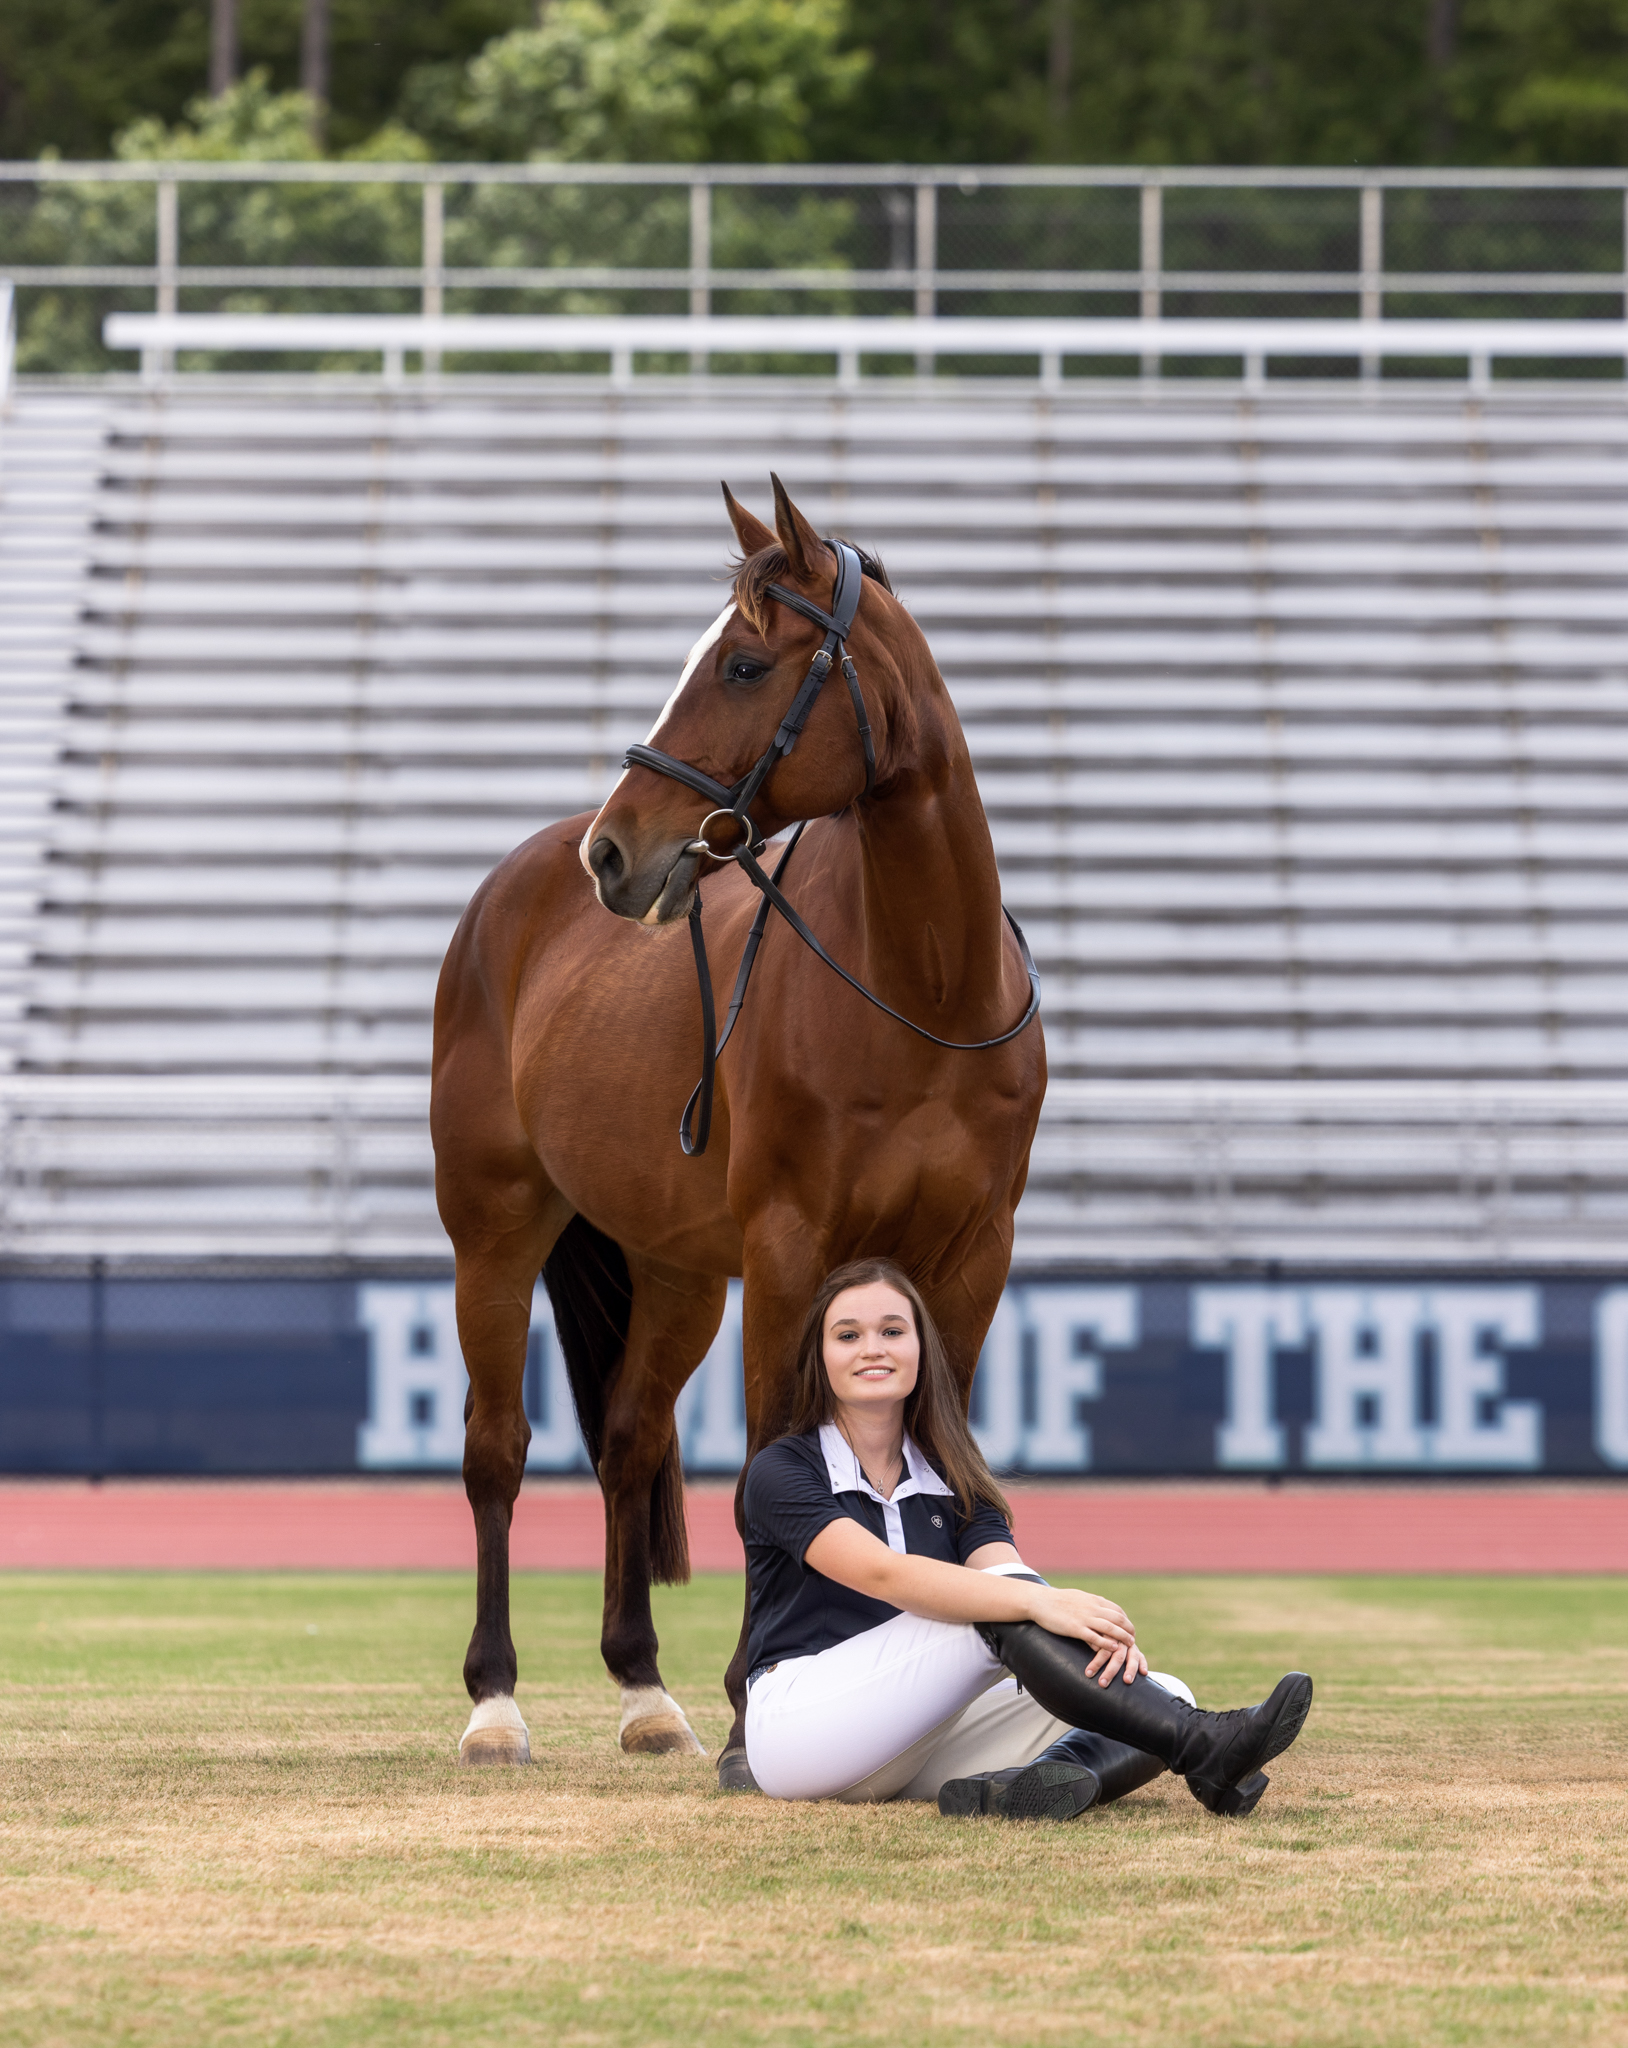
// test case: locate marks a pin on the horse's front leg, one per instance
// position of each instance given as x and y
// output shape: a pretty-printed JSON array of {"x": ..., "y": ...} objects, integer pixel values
[
  {"x": 494, "y": 1291},
  {"x": 674, "y": 1319}
]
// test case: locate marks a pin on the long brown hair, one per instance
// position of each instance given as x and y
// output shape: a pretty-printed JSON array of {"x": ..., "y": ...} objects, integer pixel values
[{"x": 932, "y": 1410}]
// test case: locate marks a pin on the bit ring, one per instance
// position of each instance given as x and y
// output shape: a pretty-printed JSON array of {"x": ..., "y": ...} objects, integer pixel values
[{"x": 735, "y": 818}]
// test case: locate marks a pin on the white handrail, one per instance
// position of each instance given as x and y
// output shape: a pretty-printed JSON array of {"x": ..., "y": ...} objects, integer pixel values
[{"x": 849, "y": 337}]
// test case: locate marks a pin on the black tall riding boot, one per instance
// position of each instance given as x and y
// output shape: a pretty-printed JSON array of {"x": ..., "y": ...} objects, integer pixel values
[
  {"x": 1080, "y": 1770},
  {"x": 1220, "y": 1755},
  {"x": 1117, "y": 1767}
]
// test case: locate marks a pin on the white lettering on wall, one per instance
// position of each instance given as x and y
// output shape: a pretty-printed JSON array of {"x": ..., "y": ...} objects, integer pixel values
[
  {"x": 1611, "y": 1376},
  {"x": 1367, "y": 1344},
  {"x": 1072, "y": 1328},
  {"x": 1367, "y": 1349},
  {"x": 1249, "y": 1324},
  {"x": 1365, "y": 1377},
  {"x": 1475, "y": 1424},
  {"x": 417, "y": 1384},
  {"x": 416, "y": 1379}
]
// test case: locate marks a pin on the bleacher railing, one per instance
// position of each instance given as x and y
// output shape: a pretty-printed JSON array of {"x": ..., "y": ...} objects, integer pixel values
[
  {"x": 83, "y": 240},
  {"x": 1052, "y": 344},
  {"x": 1330, "y": 1171}
]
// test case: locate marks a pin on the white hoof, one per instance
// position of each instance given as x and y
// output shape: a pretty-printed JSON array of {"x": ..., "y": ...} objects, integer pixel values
[
  {"x": 653, "y": 1724},
  {"x": 496, "y": 1734}
]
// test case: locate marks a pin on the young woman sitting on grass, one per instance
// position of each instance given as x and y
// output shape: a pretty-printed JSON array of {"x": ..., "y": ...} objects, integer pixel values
[{"x": 901, "y": 1649}]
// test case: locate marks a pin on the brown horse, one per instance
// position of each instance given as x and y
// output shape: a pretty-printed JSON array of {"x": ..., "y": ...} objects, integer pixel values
[{"x": 567, "y": 1042}]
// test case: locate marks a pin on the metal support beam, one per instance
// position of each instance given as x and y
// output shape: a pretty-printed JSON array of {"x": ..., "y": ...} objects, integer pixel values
[
  {"x": 434, "y": 245},
  {"x": 700, "y": 263},
  {"x": 926, "y": 263},
  {"x": 169, "y": 259},
  {"x": 1371, "y": 257},
  {"x": 1152, "y": 251}
]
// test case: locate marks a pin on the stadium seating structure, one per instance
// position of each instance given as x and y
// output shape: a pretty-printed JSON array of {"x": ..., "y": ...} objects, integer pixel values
[{"x": 1301, "y": 720}]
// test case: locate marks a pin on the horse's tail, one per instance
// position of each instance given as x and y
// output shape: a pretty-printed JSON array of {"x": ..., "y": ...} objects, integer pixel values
[{"x": 591, "y": 1292}]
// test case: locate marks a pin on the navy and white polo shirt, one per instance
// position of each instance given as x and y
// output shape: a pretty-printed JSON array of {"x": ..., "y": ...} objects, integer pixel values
[{"x": 799, "y": 1486}]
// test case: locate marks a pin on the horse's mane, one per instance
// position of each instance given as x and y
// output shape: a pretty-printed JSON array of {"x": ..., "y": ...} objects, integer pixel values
[{"x": 768, "y": 565}]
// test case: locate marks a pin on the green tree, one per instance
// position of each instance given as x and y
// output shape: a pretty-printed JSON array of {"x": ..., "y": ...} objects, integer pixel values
[
  {"x": 75, "y": 73},
  {"x": 226, "y": 224},
  {"x": 1539, "y": 82},
  {"x": 653, "y": 81},
  {"x": 976, "y": 81}
]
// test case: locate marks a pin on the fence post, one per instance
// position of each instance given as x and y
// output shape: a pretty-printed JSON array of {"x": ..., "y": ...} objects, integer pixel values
[
  {"x": 169, "y": 259},
  {"x": 1371, "y": 305},
  {"x": 431, "y": 303},
  {"x": 1152, "y": 262},
  {"x": 700, "y": 265},
  {"x": 926, "y": 265}
]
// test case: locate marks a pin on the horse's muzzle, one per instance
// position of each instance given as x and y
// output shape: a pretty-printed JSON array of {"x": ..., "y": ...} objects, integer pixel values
[{"x": 656, "y": 892}]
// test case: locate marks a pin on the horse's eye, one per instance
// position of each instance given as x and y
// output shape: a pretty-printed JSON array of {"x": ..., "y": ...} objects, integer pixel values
[{"x": 743, "y": 669}]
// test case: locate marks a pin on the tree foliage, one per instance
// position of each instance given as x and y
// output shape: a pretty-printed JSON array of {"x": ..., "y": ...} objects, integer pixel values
[
  {"x": 654, "y": 81},
  {"x": 1175, "y": 81}
]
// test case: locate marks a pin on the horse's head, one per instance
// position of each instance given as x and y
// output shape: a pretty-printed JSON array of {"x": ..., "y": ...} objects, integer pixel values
[{"x": 646, "y": 848}]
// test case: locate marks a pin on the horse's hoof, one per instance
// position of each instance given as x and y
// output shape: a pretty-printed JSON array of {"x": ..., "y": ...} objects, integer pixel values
[
  {"x": 496, "y": 1734},
  {"x": 735, "y": 1773},
  {"x": 653, "y": 1724}
]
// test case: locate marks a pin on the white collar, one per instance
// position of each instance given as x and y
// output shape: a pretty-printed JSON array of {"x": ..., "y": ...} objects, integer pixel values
[{"x": 843, "y": 1469}]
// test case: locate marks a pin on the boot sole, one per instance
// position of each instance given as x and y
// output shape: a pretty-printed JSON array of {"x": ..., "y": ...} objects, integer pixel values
[
  {"x": 1242, "y": 1795},
  {"x": 1291, "y": 1715},
  {"x": 1043, "y": 1792}
]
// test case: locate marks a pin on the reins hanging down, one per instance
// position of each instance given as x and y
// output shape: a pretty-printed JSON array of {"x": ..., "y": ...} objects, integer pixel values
[{"x": 695, "y": 1126}]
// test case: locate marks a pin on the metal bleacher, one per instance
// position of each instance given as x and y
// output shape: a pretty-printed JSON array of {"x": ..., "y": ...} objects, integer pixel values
[{"x": 1301, "y": 719}]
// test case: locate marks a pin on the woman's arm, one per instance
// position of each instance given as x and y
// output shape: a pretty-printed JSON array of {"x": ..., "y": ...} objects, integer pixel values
[{"x": 952, "y": 1592}]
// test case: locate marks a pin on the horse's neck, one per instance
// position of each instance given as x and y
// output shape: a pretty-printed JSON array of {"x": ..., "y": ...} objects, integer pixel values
[{"x": 934, "y": 935}]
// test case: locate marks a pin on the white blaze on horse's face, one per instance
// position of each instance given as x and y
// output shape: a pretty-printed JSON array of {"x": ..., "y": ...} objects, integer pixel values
[{"x": 708, "y": 640}]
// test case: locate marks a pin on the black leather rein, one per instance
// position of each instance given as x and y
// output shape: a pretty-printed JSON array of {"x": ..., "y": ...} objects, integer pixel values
[{"x": 733, "y": 802}]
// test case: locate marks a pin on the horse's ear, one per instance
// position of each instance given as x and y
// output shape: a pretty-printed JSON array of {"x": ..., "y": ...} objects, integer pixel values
[
  {"x": 750, "y": 531},
  {"x": 797, "y": 537}
]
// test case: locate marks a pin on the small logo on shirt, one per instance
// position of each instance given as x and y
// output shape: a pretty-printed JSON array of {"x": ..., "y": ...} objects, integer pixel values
[{"x": 937, "y": 1521}]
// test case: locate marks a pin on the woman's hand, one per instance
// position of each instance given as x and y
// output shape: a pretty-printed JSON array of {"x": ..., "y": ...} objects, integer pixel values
[
  {"x": 951, "y": 1592},
  {"x": 1107, "y": 1629}
]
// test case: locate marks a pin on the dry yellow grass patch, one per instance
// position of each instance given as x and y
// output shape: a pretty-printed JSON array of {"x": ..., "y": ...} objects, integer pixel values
[{"x": 230, "y": 1813}]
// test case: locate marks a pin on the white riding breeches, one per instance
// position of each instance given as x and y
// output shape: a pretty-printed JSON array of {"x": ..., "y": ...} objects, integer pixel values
[{"x": 893, "y": 1714}]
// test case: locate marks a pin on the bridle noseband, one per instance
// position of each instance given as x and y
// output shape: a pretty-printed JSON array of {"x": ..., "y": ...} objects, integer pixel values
[{"x": 733, "y": 801}]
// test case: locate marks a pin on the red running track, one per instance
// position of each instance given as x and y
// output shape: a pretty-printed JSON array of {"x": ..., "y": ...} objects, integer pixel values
[{"x": 1154, "y": 1526}]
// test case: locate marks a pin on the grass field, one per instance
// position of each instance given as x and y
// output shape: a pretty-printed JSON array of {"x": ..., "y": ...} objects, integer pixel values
[{"x": 229, "y": 1812}]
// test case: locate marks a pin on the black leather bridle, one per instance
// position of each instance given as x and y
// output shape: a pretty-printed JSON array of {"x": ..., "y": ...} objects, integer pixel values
[
  {"x": 733, "y": 802},
  {"x": 838, "y": 623}
]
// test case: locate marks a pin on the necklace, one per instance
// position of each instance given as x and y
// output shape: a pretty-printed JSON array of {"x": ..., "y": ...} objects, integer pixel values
[{"x": 895, "y": 1457}]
